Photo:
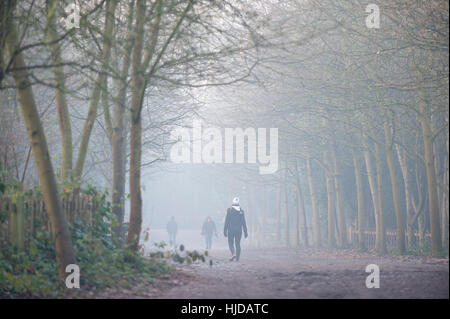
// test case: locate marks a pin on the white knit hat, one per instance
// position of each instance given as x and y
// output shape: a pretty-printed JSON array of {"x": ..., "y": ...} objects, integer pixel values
[{"x": 236, "y": 201}]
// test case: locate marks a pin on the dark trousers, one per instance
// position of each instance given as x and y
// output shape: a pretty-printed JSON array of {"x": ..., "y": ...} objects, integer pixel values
[{"x": 234, "y": 240}]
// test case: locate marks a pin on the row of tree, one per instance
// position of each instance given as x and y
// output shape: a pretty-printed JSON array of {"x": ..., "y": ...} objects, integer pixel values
[
  {"x": 363, "y": 120},
  {"x": 362, "y": 113},
  {"x": 118, "y": 66}
]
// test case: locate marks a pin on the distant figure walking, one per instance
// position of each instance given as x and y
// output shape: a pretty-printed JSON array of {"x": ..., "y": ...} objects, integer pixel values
[
  {"x": 234, "y": 224},
  {"x": 172, "y": 229},
  {"x": 208, "y": 229}
]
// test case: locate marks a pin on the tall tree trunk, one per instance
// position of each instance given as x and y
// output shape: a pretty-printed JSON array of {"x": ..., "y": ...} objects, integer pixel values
[
  {"x": 433, "y": 204},
  {"x": 135, "y": 183},
  {"x": 373, "y": 192},
  {"x": 264, "y": 213},
  {"x": 119, "y": 172},
  {"x": 438, "y": 166},
  {"x": 395, "y": 190},
  {"x": 60, "y": 230},
  {"x": 139, "y": 84},
  {"x": 301, "y": 207},
  {"x": 421, "y": 201},
  {"x": 379, "y": 173},
  {"x": 95, "y": 97},
  {"x": 280, "y": 190},
  {"x": 342, "y": 240},
  {"x": 360, "y": 198},
  {"x": 297, "y": 220},
  {"x": 136, "y": 131},
  {"x": 315, "y": 209},
  {"x": 330, "y": 200},
  {"x": 427, "y": 136},
  {"x": 404, "y": 169},
  {"x": 286, "y": 209},
  {"x": 119, "y": 129},
  {"x": 60, "y": 92}
]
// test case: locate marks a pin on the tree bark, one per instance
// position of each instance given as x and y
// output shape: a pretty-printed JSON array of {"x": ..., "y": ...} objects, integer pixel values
[
  {"x": 301, "y": 207},
  {"x": 433, "y": 204},
  {"x": 395, "y": 190},
  {"x": 371, "y": 176},
  {"x": 286, "y": 209},
  {"x": 280, "y": 189},
  {"x": 119, "y": 129},
  {"x": 427, "y": 136},
  {"x": 379, "y": 173},
  {"x": 342, "y": 240},
  {"x": 360, "y": 198},
  {"x": 315, "y": 209},
  {"x": 134, "y": 229},
  {"x": 404, "y": 169},
  {"x": 60, "y": 92},
  {"x": 331, "y": 202},
  {"x": 297, "y": 220}
]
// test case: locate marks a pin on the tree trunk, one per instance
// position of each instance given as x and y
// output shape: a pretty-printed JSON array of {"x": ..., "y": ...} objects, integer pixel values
[
  {"x": 301, "y": 207},
  {"x": 316, "y": 225},
  {"x": 297, "y": 220},
  {"x": 331, "y": 203},
  {"x": 279, "y": 212},
  {"x": 119, "y": 173},
  {"x": 119, "y": 129},
  {"x": 95, "y": 97},
  {"x": 373, "y": 191},
  {"x": 61, "y": 235},
  {"x": 395, "y": 190},
  {"x": 342, "y": 240},
  {"x": 379, "y": 173},
  {"x": 421, "y": 201},
  {"x": 286, "y": 208},
  {"x": 360, "y": 197},
  {"x": 60, "y": 92},
  {"x": 433, "y": 204},
  {"x": 135, "y": 183},
  {"x": 404, "y": 169},
  {"x": 136, "y": 131}
]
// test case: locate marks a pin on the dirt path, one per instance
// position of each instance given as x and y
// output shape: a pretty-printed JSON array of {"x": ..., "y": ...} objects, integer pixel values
[{"x": 308, "y": 273}]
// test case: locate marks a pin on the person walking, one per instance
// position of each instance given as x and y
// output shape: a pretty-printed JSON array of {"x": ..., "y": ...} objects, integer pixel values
[
  {"x": 234, "y": 225},
  {"x": 208, "y": 230},
  {"x": 172, "y": 229}
]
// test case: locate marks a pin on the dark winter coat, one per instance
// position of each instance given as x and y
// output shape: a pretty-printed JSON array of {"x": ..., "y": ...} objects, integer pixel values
[{"x": 235, "y": 222}]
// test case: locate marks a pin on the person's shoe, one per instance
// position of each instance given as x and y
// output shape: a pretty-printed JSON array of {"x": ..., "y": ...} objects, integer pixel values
[{"x": 233, "y": 258}]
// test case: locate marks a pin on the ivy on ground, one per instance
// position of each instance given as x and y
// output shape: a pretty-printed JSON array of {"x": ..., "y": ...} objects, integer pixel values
[{"x": 33, "y": 273}]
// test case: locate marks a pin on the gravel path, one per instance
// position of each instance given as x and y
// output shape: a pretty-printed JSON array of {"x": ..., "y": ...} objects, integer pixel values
[{"x": 308, "y": 273}]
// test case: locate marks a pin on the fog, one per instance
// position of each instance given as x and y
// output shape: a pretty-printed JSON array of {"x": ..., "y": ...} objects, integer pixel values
[{"x": 325, "y": 122}]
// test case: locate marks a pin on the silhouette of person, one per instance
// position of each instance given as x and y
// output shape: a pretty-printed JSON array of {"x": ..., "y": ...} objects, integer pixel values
[
  {"x": 172, "y": 229},
  {"x": 234, "y": 224},
  {"x": 208, "y": 230}
]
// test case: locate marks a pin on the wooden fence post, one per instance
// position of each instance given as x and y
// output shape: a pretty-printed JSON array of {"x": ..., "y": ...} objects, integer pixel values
[{"x": 16, "y": 222}]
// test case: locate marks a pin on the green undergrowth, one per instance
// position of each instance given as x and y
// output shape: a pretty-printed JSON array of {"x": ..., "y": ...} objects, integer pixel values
[{"x": 32, "y": 273}]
